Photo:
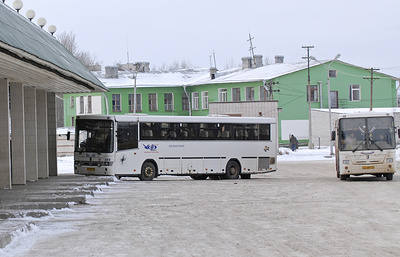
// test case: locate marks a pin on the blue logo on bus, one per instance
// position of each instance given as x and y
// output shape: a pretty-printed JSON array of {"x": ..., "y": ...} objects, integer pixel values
[{"x": 151, "y": 147}]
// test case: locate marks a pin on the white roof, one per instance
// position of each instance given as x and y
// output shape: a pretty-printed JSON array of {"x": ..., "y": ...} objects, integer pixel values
[
  {"x": 177, "y": 119},
  {"x": 362, "y": 110},
  {"x": 259, "y": 74},
  {"x": 159, "y": 79}
]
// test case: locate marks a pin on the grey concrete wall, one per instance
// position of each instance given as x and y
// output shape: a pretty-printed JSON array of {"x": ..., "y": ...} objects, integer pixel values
[
  {"x": 5, "y": 165},
  {"x": 42, "y": 137},
  {"x": 52, "y": 133},
  {"x": 31, "y": 156},
  {"x": 18, "y": 173}
]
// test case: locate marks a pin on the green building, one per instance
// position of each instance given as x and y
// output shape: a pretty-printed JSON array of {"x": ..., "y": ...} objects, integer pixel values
[{"x": 191, "y": 92}]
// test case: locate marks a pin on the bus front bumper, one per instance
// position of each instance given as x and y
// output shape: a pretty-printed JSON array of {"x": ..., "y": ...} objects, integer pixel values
[
  {"x": 367, "y": 169},
  {"x": 93, "y": 170}
]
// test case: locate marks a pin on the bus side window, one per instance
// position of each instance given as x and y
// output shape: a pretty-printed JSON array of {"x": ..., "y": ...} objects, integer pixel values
[{"x": 127, "y": 136}]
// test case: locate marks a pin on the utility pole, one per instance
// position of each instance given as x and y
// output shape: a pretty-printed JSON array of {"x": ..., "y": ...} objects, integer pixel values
[
  {"x": 269, "y": 89},
  {"x": 310, "y": 144},
  {"x": 252, "y": 49},
  {"x": 372, "y": 85}
]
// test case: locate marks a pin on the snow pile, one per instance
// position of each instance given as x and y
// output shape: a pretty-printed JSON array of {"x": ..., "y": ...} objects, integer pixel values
[
  {"x": 304, "y": 154},
  {"x": 65, "y": 165}
]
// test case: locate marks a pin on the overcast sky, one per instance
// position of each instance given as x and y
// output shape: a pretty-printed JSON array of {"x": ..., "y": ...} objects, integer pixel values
[{"x": 364, "y": 32}]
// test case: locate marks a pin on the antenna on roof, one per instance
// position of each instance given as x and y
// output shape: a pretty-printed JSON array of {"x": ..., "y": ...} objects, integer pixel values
[
  {"x": 251, "y": 50},
  {"x": 215, "y": 60}
]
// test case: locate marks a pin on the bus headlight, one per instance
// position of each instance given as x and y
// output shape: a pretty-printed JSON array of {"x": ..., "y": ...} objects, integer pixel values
[
  {"x": 346, "y": 162},
  {"x": 389, "y": 160}
]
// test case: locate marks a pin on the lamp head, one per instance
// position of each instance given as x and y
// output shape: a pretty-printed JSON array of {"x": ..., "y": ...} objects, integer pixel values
[
  {"x": 52, "y": 29},
  {"x": 41, "y": 22},
  {"x": 30, "y": 14},
  {"x": 17, "y": 4}
]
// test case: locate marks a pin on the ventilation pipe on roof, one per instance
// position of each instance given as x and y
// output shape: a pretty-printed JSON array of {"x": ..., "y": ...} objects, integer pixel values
[
  {"x": 213, "y": 72},
  {"x": 190, "y": 105},
  {"x": 258, "y": 60},
  {"x": 279, "y": 58}
]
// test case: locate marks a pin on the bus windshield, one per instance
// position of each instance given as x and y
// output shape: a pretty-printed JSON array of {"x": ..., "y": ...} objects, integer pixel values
[
  {"x": 94, "y": 136},
  {"x": 372, "y": 133}
]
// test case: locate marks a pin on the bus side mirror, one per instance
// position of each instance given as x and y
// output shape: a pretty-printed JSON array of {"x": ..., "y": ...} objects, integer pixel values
[
  {"x": 333, "y": 136},
  {"x": 69, "y": 135},
  {"x": 398, "y": 133}
]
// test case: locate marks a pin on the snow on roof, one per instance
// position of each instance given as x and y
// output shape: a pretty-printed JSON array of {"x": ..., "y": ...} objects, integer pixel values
[
  {"x": 362, "y": 110},
  {"x": 159, "y": 79},
  {"x": 259, "y": 74}
]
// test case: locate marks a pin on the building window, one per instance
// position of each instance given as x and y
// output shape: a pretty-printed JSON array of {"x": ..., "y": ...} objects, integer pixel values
[
  {"x": 138, "y": 102},
  {"x": 332, "y": 73},
  {"x": 222, "y": 95},
  {"x": 169, "y": 102},
  {"x": 81, "y": 105},
  {"x": 195, "y": 100},
  {"x": 153, "y": 102},
  {"x": 314, "y": 94},
  {"x": 355, "y": 94},
  {"x": 89, "y": 103},
  {"x": 264, "y": 94},
  {"x": 235, "y": 94},
  {"x": 72, "y": 101},
  {"x": 249, "y": 93},
  {"x": 116, "y": 103},
  {"x": 72, "y": 121},
  {"x": 185, "y": 102},
  {"x": 204, "y": 100}
]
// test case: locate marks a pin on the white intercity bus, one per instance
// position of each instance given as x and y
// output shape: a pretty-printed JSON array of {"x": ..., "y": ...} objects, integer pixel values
[
  {"x": 365, "y": 144},
  {"x": 150, "y": 146}
]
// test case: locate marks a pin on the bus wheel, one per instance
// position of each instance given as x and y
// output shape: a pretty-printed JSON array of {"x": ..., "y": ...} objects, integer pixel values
[
  {"x": 344, "y": 177},
  {"x": 389, "y": 176},
  {"x": 199, "y": 177},
  {"x": 245, "y": 176},
  {"x": 148, "y": 172},
  {"x": 232, "y": 170}
]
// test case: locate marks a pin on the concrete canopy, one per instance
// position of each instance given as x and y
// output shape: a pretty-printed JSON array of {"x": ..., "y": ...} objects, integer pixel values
[{"x": 30, "y": 55}]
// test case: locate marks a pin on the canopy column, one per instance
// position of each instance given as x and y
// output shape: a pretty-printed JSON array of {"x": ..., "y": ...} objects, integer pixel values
[
  {"x": 31, "y": 156},
  {"x": 42, "y": 133},
  {"x": 5, "y": 163},
  {"x": 52, "y": 133}
]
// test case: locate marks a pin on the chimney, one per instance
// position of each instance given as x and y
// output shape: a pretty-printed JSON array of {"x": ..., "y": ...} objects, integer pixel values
[
  {"x": 258, "y": 60},
  {"x": 247, "y": 63},
  {"x": 111, "y": 72},
  {"x": 279, "y": 58},
  {"x": 213, "y": 72}
]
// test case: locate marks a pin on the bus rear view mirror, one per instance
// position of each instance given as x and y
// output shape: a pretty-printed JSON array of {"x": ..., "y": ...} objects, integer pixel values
[
  {"x": 398, "y": 133},
  {"x": 333, "y": 136},
  {"x": 69, "y": 135}
]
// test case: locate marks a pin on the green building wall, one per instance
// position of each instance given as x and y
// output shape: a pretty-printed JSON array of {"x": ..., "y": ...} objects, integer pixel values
[{"x": 291, "y": 97}]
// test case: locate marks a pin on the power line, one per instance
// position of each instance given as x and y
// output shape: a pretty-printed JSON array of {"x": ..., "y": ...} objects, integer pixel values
[
  {"x": 252, "y": 49},
  {"x": 310, "y": 144}
]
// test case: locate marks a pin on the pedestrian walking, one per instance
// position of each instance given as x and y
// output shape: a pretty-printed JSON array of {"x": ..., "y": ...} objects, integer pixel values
[{"x": 294, "y": 143}]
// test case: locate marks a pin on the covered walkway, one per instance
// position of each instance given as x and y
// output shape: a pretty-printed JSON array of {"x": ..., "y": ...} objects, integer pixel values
[{"x": 33, "y": 67}]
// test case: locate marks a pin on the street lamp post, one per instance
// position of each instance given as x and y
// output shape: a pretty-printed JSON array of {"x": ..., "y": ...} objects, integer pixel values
[{"x": 329, "y": 100}]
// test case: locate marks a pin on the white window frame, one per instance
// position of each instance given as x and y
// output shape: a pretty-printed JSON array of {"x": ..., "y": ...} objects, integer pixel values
[
  {"x": 89, "y": 104},
  {"x": 267, "y": 96},
  {"x": 222, "y": 95},
  {"x": 72, "y": 101},
  {"x": 156, "y": 102},
  {"x": 204, "y": 100},
  {"x": 81, "y": 104},
  {"x": 247, "y": 97},
  {"x": 188, "y": 103},
  {"x": 172, "y": 103},
  {"x": 195, "y": 100},
  {"x": 232, "y": 89},
  {"x": 352, "y": 89},
  {"x": 316, "y": 95},
  {"x": 120, "y": 103}
]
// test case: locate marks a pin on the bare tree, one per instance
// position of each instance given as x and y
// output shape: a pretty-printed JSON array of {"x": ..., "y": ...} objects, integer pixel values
[{"x": 68, "y": 39}]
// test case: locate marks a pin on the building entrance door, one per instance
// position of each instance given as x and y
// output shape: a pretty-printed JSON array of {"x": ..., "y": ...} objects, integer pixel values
[{"x": 334, "y": 99}]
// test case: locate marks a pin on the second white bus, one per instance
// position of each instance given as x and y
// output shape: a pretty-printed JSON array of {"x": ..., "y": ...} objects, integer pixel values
[{"x": 151, "y": 146}]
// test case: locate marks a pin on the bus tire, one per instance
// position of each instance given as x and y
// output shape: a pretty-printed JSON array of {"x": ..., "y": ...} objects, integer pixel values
[
  {"x": 344, "y": 177},
  {"x": 199, "y": 177},
  {"x": 232, "y": 170},
  {"x": 148, "y": 171},
  {"x": 245, "y": 176},
  {"x": 389, "y": 176}
]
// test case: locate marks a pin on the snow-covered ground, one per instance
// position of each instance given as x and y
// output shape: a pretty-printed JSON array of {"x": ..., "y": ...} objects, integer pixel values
[{"x": 304, "y": 154}]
